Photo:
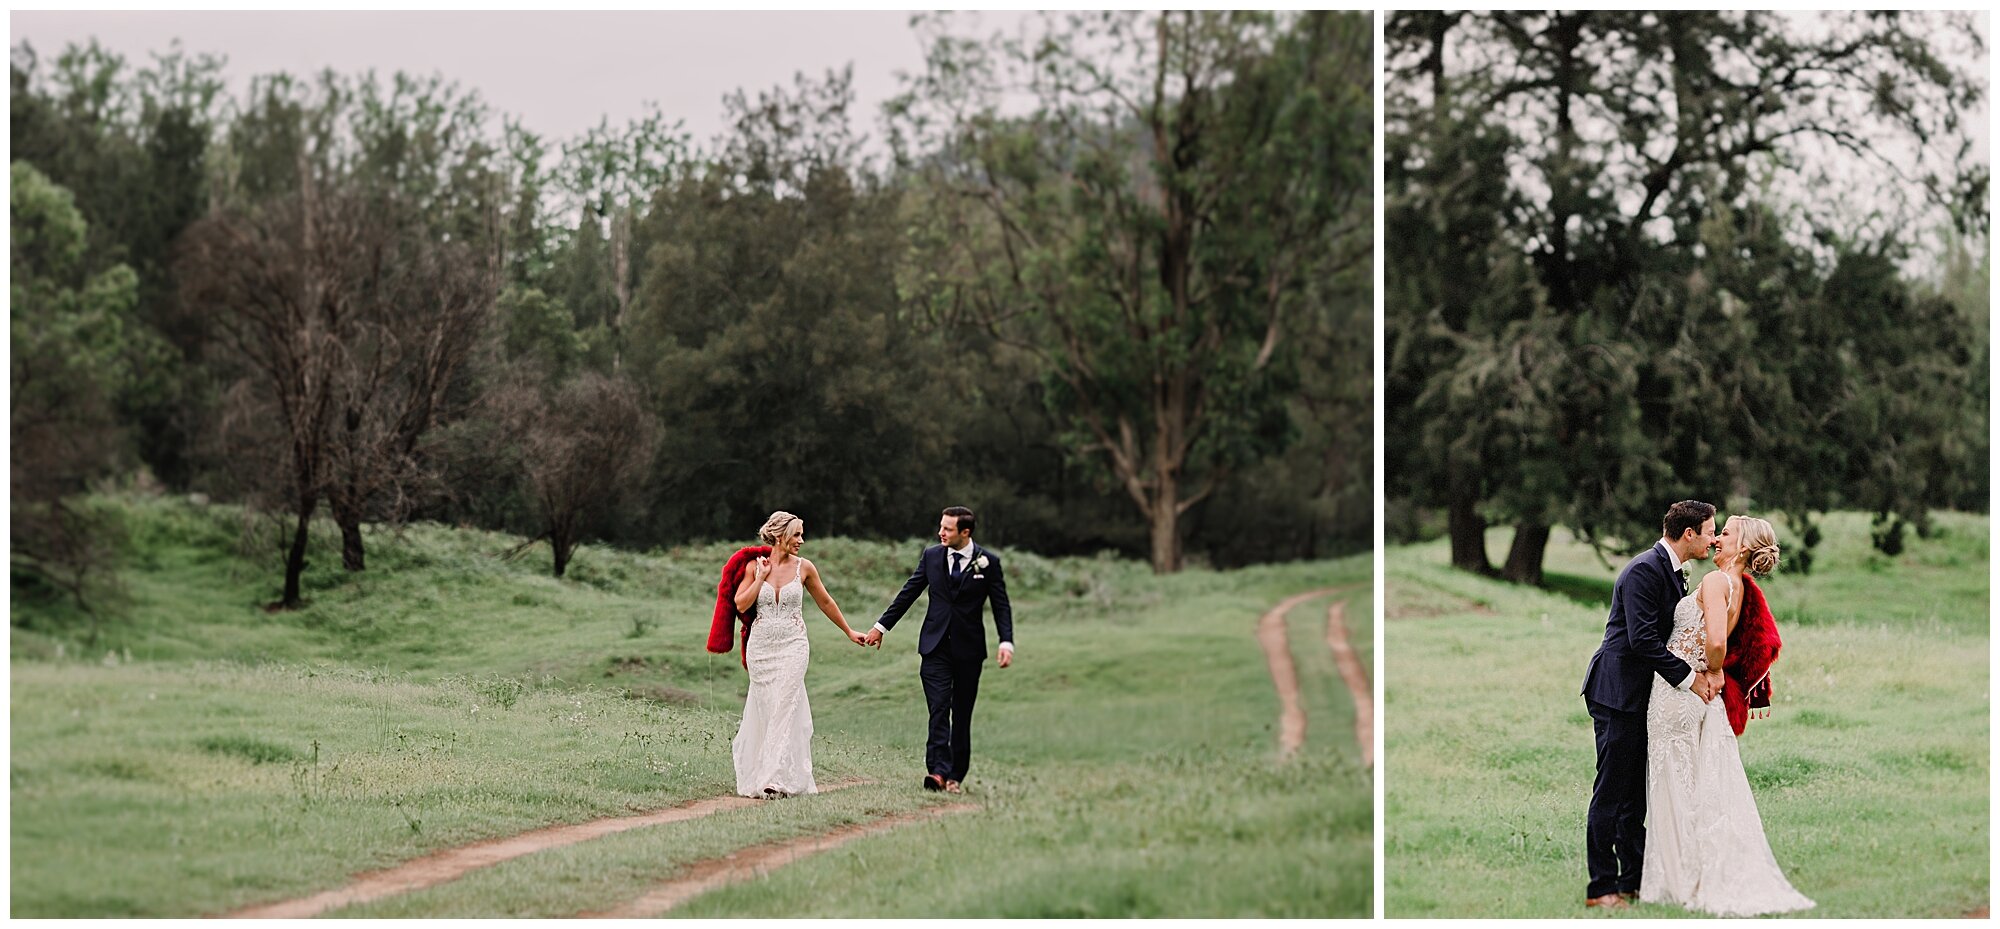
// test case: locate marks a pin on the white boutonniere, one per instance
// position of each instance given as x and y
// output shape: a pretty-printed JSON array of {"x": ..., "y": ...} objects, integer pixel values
[{"x": 979, "y": 563}]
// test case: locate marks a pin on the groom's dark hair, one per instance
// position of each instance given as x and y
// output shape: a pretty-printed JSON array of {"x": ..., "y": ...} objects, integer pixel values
[
  {"x": 1685, "y": 515},
  {"x": 964, "y": 516}
]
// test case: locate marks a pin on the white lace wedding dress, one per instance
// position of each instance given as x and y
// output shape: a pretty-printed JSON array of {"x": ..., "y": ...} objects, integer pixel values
[
  {"x": 773, "y": 748},
  {"x": 1705, "y": 845}
]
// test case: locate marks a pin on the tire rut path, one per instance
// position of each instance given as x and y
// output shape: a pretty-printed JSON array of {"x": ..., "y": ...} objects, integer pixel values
[
  {"x": 1356, "y": 676},
  {"x": 744, "y": 864},
  {"x": 1284, "y": 672},
  {"x": 453, "y": 863}
]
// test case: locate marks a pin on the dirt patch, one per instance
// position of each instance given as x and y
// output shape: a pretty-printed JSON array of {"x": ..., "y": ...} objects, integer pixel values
[
  {"x": 450, "y": 864},
  {"x": 706, "y": 875},
  {"x": 1356, "y": 677}
]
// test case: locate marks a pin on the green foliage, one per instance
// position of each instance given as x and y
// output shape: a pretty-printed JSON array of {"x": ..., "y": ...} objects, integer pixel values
[
  {"x": 541, "y": 331},
  {"x": 1187, "y": 191},
  {"x": 779, "y": 280},
  {"x": 581, "y": 276},
  {"x": 1561, "y": 355},
  {"x": 130, "y": 144},
  {"x": 771, "y": 332},
  {"x": 76, "y": 348},
  {"x": 60, "y": 304}
]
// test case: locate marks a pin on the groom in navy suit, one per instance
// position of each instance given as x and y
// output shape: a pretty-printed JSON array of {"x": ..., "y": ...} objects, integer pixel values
[
  {"x": 961, "y": 578},
  {"x": 1619, "y": 686}
]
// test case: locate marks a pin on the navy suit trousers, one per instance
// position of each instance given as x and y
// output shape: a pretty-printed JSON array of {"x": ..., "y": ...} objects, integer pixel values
[
  {"x": 1616, "y": 847},
  {"x": 951, "y": 685}
]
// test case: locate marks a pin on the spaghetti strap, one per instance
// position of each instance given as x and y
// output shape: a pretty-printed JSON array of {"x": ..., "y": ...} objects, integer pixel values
[{"x": 1728, "y": 601}]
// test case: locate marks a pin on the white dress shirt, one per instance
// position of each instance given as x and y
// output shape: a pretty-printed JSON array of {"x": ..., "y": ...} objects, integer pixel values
[{"x": 1674, "y": 559}]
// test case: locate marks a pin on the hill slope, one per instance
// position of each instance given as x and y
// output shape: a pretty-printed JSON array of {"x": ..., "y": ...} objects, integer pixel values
[{"x": 1126, "y": 764}]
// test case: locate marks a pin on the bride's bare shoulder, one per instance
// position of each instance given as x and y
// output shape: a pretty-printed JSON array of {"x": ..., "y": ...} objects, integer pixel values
[{"x": 1722, "y": 584}]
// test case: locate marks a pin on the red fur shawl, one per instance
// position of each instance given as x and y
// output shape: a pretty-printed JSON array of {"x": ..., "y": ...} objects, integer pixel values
[
  {"x": 725, "y": 603},
  {"x": 1753, "y": 648}
]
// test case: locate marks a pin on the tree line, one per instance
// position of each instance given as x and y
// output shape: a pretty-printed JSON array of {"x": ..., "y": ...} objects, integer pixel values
[
  {"x": 1132, "y": 315},
  {"x": 1620, "y": 275}
]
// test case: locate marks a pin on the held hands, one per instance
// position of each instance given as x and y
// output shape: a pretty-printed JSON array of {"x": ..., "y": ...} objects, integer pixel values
[
  {"x": 874, "y": 637},
  {"x": 1707, "y": 684},
  {"x": 860, "y": 639}
]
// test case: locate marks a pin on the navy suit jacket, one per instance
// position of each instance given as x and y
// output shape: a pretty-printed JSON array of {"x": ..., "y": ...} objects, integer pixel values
[
  {"x": 956, "y": 616},
  {"x": 1635, "y": 635}
]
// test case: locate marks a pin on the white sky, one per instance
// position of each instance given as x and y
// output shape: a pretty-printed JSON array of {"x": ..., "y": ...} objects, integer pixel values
[{"x": 560, "y": 72}]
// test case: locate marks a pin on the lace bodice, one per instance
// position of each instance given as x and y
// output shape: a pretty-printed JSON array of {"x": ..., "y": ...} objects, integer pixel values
[
  {"x": 787, "y": 603},
  {"x": 1689, "y": 639},
  {"x": 1690, "y": 634}
]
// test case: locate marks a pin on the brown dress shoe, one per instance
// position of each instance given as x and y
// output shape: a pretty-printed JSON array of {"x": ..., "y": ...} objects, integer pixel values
[
  {"x": 1608, "y": 901},
  {"x": 933, "y": 782},
  {"x": 951, "y": 787}
]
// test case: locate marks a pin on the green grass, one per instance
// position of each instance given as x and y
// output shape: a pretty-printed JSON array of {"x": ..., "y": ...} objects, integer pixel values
[
  {"x": 1871, "y": 776},
  {"x": 203, "y": 754}
]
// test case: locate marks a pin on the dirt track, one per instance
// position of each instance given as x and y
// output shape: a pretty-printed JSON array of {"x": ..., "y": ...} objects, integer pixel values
[
  {"x": 743, "y": 864},
  {"x": 1356, "y": 677},
  {"x": 450, "y": 864},
  {"x": 1285, "y": 675}
]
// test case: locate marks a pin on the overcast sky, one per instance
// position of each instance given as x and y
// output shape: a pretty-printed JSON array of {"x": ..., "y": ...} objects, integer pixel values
[{"x": 559, "y": 72}]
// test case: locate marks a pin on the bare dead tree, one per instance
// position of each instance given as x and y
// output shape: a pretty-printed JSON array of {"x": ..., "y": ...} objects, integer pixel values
[
  {"x": 284, "y": 283},
  {"x": 584, "y": 450},
  {"x": 426, "y": 306}
]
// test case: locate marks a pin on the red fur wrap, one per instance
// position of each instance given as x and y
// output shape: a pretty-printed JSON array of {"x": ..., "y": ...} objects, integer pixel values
[
  {"x": 726, "y": 615},
  {"x": 1753, "y": 648}
]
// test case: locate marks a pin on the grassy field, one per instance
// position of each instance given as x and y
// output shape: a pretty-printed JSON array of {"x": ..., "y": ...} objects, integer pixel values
[
  {"x": 203, "y": 754},
  {"x": 1871, "y": 776}
]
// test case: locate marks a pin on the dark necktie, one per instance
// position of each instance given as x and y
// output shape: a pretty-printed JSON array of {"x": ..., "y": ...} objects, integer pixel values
[{"x": 957, "y": 561}]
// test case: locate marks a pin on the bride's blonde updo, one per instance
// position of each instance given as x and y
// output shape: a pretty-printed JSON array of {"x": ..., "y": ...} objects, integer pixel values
[
  {"x": 777, "y": 527},
  {"x": 1756, "y": 543}
]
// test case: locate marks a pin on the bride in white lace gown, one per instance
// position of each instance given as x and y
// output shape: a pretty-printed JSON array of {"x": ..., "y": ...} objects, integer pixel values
[
  {"x": 1705, "y": 845},
  {"x": 773, "y": 748}
]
